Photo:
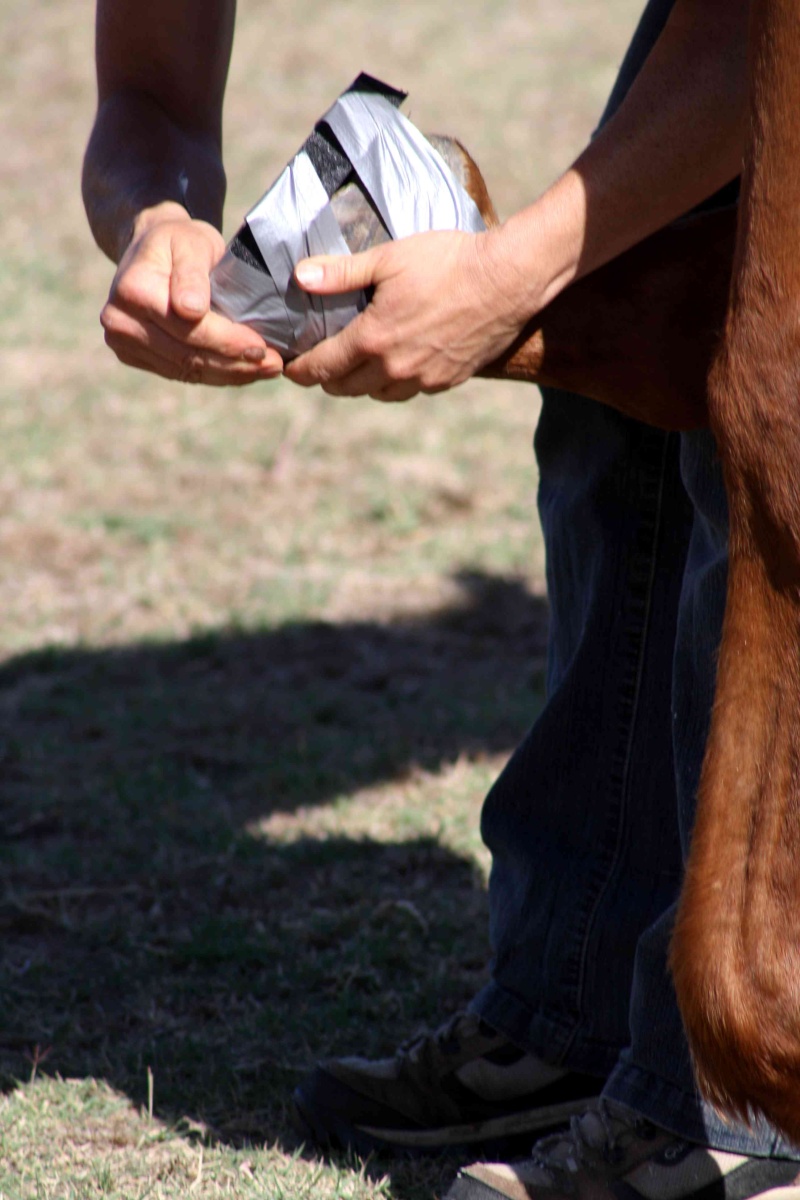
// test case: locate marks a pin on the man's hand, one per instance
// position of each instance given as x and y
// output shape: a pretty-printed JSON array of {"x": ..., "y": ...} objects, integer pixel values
[
  {"x": 158, "y": 317},
  {"x": 439, "y": 312},
  {"x": 154, "y": 152},
  {"x": 446, "y": 304}
]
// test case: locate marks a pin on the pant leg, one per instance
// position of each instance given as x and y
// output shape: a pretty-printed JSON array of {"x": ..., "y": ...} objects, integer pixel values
[
  {"x": 581, "y": 822},
  {"x": 654, "y": 1074}
]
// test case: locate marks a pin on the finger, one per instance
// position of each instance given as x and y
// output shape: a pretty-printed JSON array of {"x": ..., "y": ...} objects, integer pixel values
[
  {"x": 143, "y": 359},
  {"x": 331, "y": 360},
  {"x": 194, "y": 369},
  {"x": 190, "y": 285},
  {"x": 172, "y": 336},
  {"x": 397, "y": 393},
  {"x": 371, "y": 380},
  {"x": 219, "y": 335},
  {"x": 149, "y": 348},
  {"x": 150, "y": 285},
  {"x": 329, "y": 274},
  {"x": 125, "y": 330},
  {"x": 363, "y": 381}
]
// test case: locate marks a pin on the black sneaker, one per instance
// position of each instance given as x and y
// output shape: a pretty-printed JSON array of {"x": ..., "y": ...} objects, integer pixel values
[
  {"x": 463, "y": 1088},
  {"x": 610, "y": 1153}
]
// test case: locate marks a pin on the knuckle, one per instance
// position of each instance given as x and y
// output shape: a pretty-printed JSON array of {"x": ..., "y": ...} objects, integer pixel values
[
  {"x": 191, "y": 368},
  {"x": 127, "y": 359},
  {"x": 397, "y": 370},
  {"x": 322, "y": 374},
  {"x": 303, "y": 376},
  {"x": 373, "y": 343},
  {"x": 127, "y": 291},
  {"x": 226, "y": 347},
  {"x": 399, "y": 395},
  {"x": 187, "y": 275},
  {"x": 110, "y": 320},
  {"x": 393, "y": 371},
  {"x": 118, "y": 345}
]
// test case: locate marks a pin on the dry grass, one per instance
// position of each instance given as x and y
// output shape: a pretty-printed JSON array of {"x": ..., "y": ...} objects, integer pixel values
[{"x": 262, "y": 653}]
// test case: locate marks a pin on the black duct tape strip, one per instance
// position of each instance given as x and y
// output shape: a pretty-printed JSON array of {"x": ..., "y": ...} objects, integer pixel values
[
  {"x": 328, "y": 159},
  {"x": 376, "y": 87}
]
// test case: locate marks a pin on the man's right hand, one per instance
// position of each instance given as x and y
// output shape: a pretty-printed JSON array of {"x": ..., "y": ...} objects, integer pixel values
[{"x": 158, "y": 316}]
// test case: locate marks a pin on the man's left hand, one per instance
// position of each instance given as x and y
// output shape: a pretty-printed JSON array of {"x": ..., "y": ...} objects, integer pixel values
[{"x": 439, "y": 312}]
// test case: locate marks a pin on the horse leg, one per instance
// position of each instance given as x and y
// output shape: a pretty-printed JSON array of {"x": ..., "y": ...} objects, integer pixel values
[{"x": 736, "y": 947}]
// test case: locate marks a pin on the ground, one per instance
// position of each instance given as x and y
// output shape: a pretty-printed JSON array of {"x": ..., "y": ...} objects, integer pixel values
[{"x": 262, "y": 652}]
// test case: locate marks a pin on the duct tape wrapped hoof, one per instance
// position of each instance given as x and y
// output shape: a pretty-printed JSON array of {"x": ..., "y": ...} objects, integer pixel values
[{"x": 365, "y": 175}]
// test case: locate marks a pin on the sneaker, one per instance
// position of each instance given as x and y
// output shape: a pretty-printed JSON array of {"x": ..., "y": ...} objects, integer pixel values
[
  {"x": 611, "y": 1154},
  {"x": 464, "y": 1087}
]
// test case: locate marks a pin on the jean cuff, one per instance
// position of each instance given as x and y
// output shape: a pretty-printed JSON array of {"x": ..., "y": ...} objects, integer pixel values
[
  {"x": 691, "y": 1118},
  {"x": 546, "y": 1035}
]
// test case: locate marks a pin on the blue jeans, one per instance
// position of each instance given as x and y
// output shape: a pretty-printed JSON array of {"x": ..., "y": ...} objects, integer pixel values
[{"x": 589, "y": 823}]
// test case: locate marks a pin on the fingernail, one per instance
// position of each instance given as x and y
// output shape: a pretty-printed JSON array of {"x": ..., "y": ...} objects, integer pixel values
[
  {"x": 308, "y": 273},
  {"x": 254, "y": 354},
  {"x": 193, "y": 302}
]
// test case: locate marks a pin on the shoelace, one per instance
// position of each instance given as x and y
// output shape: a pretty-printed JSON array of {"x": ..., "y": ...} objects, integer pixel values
[
  {"x": 413, "y": 1047},
  {"x": 593, "y": 1137}
]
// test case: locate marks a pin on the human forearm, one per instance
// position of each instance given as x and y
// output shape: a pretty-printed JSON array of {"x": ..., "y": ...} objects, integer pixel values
[
  {"x": 138, "y": 158},
  {"x": 677, "y": 137},
  {"x": 638, "y": 334},
  {"x": 161, "y": 71},
  {"x": 153, "y": 158}
]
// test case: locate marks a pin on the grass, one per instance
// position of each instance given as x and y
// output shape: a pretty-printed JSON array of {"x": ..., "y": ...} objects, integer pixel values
[{"x": 262, "y": 653}]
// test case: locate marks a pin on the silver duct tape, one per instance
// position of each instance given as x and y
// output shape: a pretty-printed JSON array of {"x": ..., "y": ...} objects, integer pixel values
[
  {"x": 410, "y": 185},
  {"x": 294, "y": 220}
]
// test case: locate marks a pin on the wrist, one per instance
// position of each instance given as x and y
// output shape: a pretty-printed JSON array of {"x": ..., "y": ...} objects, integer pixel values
[
  {"x": 155, "y": 214},
  {"x": 118, "y": 238},
  {"x": 537, "y": 252}
]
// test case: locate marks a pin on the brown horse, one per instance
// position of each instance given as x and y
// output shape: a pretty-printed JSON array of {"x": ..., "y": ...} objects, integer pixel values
[{"x": 736, "y": 947}]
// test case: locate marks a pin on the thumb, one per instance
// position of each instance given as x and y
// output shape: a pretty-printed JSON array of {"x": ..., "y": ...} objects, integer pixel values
[
  {"x": 189, "y": 285},
  {"x": 329, "y": 274}
]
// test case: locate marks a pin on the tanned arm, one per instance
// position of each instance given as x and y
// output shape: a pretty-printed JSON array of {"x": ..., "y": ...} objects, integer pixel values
[{"x": 154, "y": 187}]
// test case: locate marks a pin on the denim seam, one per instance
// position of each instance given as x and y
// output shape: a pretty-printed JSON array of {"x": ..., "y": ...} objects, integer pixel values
[
  {"x": 643, "y": 622},
  {"x": 545, "y": 1034}
]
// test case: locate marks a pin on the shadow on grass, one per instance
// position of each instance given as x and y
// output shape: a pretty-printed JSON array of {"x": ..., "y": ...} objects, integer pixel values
[{"x": 145, "y": 923}]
